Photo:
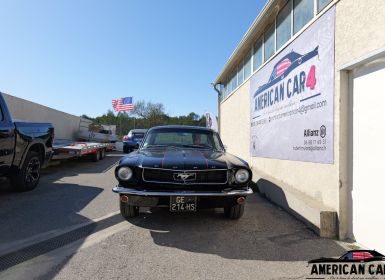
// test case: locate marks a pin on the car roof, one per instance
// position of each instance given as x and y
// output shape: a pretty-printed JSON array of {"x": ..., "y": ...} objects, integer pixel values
[
  {"x": 181, "y": 127},
  {"x": 138, "y": 130}
]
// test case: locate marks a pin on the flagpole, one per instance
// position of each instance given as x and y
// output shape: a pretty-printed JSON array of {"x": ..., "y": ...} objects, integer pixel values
[{"x": 120, "y": 118}]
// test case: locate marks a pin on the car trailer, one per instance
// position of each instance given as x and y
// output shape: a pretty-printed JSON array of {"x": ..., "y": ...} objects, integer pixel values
[{"x": 66, "y": 149}]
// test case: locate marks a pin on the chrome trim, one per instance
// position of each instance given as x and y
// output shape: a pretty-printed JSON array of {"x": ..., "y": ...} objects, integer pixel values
[
  {"x": 186, "y": 182},
  {"x": 122, "y": 190},
  {"x": 189, "y": 170}
]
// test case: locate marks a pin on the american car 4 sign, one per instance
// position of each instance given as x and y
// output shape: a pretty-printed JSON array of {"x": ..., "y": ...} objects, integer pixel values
[{"x": 292, "y": 98}]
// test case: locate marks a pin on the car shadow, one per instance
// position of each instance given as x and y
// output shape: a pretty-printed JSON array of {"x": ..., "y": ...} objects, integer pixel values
[
  {"x": 265, "y": 232},
  {"x": 54, "y": 209},
  {"x": 43, "y": 210},
  {"x": 54, "y": 204},
  {"x": 68, "y": 168}
]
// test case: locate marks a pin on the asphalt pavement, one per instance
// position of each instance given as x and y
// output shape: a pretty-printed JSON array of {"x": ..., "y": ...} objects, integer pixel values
[{"x": 70, "y": 228}]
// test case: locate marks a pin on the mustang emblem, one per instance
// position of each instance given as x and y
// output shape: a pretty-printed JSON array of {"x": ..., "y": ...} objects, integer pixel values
[{"x": 185, "y": 176}]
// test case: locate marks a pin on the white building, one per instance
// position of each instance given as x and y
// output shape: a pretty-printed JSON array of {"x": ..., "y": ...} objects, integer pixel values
[{"x": 301, "y": 100}]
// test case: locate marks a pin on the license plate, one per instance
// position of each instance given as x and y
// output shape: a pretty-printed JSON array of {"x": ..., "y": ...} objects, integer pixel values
[{"x": 183, "y": 203}]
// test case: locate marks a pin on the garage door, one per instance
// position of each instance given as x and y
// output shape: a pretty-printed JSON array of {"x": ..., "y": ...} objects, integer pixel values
[{"x": 369, "y": 157}]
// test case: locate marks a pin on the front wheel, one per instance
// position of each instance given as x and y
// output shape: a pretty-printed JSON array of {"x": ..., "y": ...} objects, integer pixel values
[
  {"x": 234, "y": 212},
  {"x": 128, "y": 211},
  {"x": 27, "y": 178}
]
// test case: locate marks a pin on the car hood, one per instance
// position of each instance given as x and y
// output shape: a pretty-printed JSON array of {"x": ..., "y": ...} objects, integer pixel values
[{"x": 183, "y": 159}]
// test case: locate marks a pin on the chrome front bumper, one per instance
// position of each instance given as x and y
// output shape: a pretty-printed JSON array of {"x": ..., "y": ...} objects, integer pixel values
[{"x": 129, "y": 191}]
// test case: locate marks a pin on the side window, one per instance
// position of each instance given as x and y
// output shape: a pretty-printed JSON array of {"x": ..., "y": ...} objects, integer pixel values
[
  {"x": 303, "y": 13},
  {"x": 269, "y": 42},
  {"x": 258, "y": 55},
  {"x": 322, "y": 4},
  {"x": 284, "y": 25},
  {"x": 248, "y": 64}
]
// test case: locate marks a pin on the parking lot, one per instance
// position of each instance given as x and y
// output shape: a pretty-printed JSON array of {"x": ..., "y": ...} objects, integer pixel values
[{"x": 70, "y": 228}]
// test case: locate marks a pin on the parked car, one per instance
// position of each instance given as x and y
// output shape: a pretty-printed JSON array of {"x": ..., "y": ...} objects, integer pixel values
[
  {"x": 133, "y": 139},
  {"x": 183, "y": 168},
  {"x": 24, "y": 148}
]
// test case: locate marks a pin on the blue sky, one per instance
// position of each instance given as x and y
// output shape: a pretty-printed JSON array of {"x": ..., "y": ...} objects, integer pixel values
[{"x": 77, "y": 55}]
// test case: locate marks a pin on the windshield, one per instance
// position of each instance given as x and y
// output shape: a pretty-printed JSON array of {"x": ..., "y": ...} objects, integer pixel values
[{"x": 187, "y": 138}]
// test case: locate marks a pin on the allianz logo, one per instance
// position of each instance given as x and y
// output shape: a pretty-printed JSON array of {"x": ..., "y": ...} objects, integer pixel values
[{"x": 315, "y": 132}]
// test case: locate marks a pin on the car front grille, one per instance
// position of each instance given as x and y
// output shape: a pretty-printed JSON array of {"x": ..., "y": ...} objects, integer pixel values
[{"x": 176, "y": 177}]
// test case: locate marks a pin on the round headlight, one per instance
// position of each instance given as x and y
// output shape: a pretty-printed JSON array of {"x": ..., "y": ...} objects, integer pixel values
[
  {"x": 124, "y": 173},
  {"x": 242, "y": 176}
]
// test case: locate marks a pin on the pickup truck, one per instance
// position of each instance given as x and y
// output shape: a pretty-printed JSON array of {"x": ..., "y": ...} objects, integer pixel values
[{"x": 24, "y": 148}]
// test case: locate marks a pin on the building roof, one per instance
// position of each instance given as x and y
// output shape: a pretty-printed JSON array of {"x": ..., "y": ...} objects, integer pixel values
[
  {"x": 259, "y": 25},
  {"x": 138, "y": 130}
]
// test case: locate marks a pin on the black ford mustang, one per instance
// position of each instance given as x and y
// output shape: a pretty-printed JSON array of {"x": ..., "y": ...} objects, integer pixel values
[{"x": 183, "y": 168}]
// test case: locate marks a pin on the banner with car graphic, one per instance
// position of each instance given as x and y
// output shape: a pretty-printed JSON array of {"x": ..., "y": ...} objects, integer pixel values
[{"x": 292, "y": 98}]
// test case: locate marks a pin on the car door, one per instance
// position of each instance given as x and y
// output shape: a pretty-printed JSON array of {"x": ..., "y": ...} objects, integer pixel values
[{"x": 7, "y": 139}]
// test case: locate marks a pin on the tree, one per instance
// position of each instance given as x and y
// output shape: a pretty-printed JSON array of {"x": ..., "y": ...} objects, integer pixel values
[
  {"x": 152, "y": 112},
  {"x": 147, "y": 115},
  {"x": 84, "y": 116},
  {"x": 193, "y": 116},
  {"x": 140, "y": 109},
  {"x": 148, "y": 110}
]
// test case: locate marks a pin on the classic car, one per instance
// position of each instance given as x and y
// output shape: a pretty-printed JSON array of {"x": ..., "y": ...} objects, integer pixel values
[
  {"x": 184, "y": 168},
  {"x": 284, "y": 66}
]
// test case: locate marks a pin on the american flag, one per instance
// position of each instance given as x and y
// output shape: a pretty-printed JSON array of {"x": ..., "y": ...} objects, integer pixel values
[
  {"x": 282, "y": 66},
  {"x": 123, "y": 104}
]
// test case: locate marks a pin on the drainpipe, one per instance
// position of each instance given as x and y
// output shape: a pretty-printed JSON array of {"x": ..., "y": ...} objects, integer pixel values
[{"x": 219, "y": 105}]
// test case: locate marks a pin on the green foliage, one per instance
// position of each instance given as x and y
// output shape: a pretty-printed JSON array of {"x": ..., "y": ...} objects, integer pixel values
[{"x": 146, "y": 115}]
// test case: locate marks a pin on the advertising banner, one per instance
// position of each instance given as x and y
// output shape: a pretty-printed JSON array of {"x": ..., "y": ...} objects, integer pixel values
[{"x": 292, "y": 98}]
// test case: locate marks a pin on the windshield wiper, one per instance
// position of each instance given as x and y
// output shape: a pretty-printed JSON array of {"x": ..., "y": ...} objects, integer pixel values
[
  {"x": 197, "y": 146},
  {"x": 160, "y": 146}
]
